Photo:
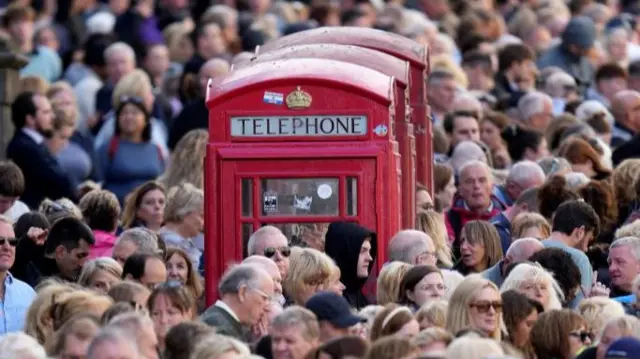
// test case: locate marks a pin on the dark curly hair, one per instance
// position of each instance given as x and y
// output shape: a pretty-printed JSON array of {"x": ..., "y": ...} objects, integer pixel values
[
  {"x": 552, "y": 194},
  {"x": 564, "y": 270},
  {"x": 599, "y": 194}
]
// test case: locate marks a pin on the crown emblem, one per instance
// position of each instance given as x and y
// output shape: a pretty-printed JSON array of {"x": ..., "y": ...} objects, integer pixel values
[{"x": 298, "y": 99}]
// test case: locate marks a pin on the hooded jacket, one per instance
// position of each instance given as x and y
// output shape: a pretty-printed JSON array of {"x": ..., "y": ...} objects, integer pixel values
[{"x": 343, "y": 242}]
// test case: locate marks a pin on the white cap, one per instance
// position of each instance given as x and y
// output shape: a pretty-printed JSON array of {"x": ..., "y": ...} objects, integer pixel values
[{"x": 101, "y": 23}]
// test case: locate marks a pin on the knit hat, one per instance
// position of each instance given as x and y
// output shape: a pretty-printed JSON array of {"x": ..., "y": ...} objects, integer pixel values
[
  {"x": 627, "y": 348},
  {"x": 580, "y": 31}
]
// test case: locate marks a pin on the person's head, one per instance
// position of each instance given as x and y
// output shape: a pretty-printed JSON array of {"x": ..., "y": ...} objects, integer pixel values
[
  {"x": 583, "y": 158},
  {"x": 170, "y": 304},
  {"x": 38, "y": 322},
  {"x": 185, "y": 207},
  {"x": 18, "y": 21},
  {"x": 182, "y": 338},
  {"x": 525, "y": 144},
  {"x": 11, "y": 185},
  {"x": 227, "y": 18},
  {"x": 444, "y": 187},
  {"x": 599, "y": 195},
  {"x": 333, "y": 313},
  {"x": 476, "y": 185},
  {"x": 311, "y": 271},
  {"x": 559, "y": 334},
  {"x": 536, "y": 110},
  {"x": 350, "y": 346},
  {"x": 420, "y": 285},
  {"x": 79, "y": 301},
  {"x": 130, "y": 292},
  {"x": 180, "y": 269},
  {"x": 187, "y": 160},
  {"x": 624, "y": 262},
  {"x": 140, "y": 328},
  {"x": 133, "y": 119},
  {"x": 219, "y": 346},
  {"x": 211, "y": 69},
  {"x": 480, "y": 246},
  {"x": 134, "y": 240},
  {"x": 520, "y": 314},
  {"x": 146, "y": 268},
  {"x": 394, "y": 320},
  {"x": 270, "y": 242},
  {"x": 479, "y": 69},
  {"x": 424, "y": 202},
  {"x": 294, "y": 333},
  {"x": 120, "y": 59},
  {"x": 68, "y": 242},
  {"x": 145, "y": 206},
  {"x": 270, "y": 267},
  {"x": 516, "y": 62},
  {"x": 248, "y": 290},
  {"x": 94, "y": 49},
  {"x": 434, "y": 225},
  {"x": 536, "y": 283},
  {"x": 521, "y": 250},
  {"x": 596, "y": 311},
  {"x": 461, "y": 126},
  {"x": 100, "y": 274},
  {"x": 625, "y": 107},
  {"x": 579, "y": 36},
  {"x": 614, "y": 328},
  {"x": 523, "y": 176},
  {"x": 111, "y": 343},
  {"x": 21, "y": 345},
  {"x": 492, "y": 125},
  {"x": 563, "y": 88},
  {"x": 577, "y": 222},
  {"x": 441, "y": 90},
  {"x": 412, "y": 247},
  {"x": 156, "y": 59},
  {"x": 559, "y": 263},
  {"x": 475, "y": 304},
  {"x": 433, "y": 314},
  {"x": 610, "y": 79},
  {"x": 8, "y": 244},
  {"x": 100, "y": 210},
  {"x": 389, "y": 279},
  {"x": 208, "y": 39},
  {"x": 73, "y": 338},
  {"x": 33, "y": 111}
]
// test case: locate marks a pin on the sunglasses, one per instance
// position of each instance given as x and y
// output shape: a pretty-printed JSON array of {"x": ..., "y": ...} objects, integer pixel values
[
  {"x": 484, "y": 307},
  {"x": 12, "y": 241},
  {"x": 169, "y": 284},
  {"x": 132, "y": 99},
  {"x": 582, "y": 335},
  {"x": 270, "y": 252}
]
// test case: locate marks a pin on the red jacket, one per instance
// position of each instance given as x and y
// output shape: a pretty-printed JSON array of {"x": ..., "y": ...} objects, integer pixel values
[{"x": 459, "y": 215}]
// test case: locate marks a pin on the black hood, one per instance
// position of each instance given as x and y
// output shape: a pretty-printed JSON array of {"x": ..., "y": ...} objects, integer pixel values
[{"x": 342, "y": 243}]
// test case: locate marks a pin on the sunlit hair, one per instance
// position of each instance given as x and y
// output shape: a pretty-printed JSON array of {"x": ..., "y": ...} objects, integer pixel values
[
  {"x": 194, "y": 283},
  {"x": 458, "y": 316},
  {"x": 134, "y": 199},
  {"x": 390, "y": 320},
  {"x": 39, "y": 322},
  {"x": 389, "y": 280},
  {"x": 182, "y": 200},
  {"x": 178, "y": 296},
  {"x": 529, "y": 272},
  {"x": 134, "y": 84},
  {"x": 628, "y": 325},
  {"x": 629, "y": 230},
  {"x": 527, "y": 220},
  {"x": 127, "y": 290},
  {"x": 435, "y": 312},
  {"x": 187, "y": 160},
  {"x": 433, "y": 224},
  {"x": 20, "y": 345},
  {"x": 310, "y": 271},
  {"x": 215, "y": 345},
  {"x": 92, "y": 267},
  {"x": 596, "y": 311},
  {"x": 432, "y": 335},
  {"x": 83, "y": 326},
  {"x": 473, "y": 348},
  {"x": 624, "y": 176},
  {"x": 76, "y": 302},
  {"x": 452, "y": 280},
  {"x": 484, "y": 233}
]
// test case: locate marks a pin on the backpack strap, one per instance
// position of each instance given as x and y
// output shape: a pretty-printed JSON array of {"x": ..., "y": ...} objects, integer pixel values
[{"x": 113, "y": 148}]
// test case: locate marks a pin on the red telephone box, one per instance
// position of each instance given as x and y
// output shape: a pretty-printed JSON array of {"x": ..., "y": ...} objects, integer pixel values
[
  {"x": 388, "y": 65},
  {"x": 298, "y": 143},
  {"x": 395, "y": 45}
]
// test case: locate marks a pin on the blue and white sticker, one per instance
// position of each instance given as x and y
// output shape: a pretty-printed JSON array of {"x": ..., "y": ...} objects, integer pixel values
[
  {"x": 381, "y": 130},
  {"x": 273, "y": 98}
]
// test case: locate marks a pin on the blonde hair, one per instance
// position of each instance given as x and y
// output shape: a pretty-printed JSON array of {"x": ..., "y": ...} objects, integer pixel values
[
  {"x": 446, "y": 63},
  {"x": 526, "y": 220},
  {"x": 596, "y": 311},
  {"x": 214, "y": 345},
  {"x": 186, "y": 163},
  {"x": 534, "y": 272},
  {"x": 59, "y": 86},
  {"x": 20, "y": 345},
  {"x": 629, "y": 230},
  {"x": 134, "y": 84},
  {"x": 473, "y": 348},
  {"x": 452, "y": 280},
  {"x": 90, "y": 268},
  {"x": 309, "y": 271},
  {"x": 38, "y": 322},
  {"x": 83, "y": 326},
  {"x": 76, "y": 302},
  {"x": 458, "y": 317},
  {"x": 429, "y": 336},
  {"x": 390, "y": 320},
  {"x": 624, "y": 176},
  {"x": 435, "y": 312},
  {"x": 628, "y": 325},
  {"x": 433, "y": 224},
  {"x": 181, "y": 201},
  {"x": 388, "y": 288},
  {"x": 36, "y": 84}
]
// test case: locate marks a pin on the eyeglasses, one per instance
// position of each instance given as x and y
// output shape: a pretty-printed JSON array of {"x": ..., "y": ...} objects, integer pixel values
[
  {"x": 484, "y": 307},
  {"x": 169, "y": 284},
  {"x": 262, "y": 294},
  {"x": 12, "y": 241},
  {"x": 270, "y": 252},
  {"x": 583, "y": 335}
]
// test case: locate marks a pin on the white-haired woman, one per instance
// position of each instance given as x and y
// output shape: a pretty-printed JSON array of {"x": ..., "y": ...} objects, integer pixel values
[
  {"x": 536, "y": 283},
  {"x": 100, "y": 274}
]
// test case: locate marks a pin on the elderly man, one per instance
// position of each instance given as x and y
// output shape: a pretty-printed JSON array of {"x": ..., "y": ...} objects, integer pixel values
[
  {"x": 271, "y": 268},
  {"x": 245, "y": 294},
  {"x": 294, "y": 333},
  {"x": 475, "y": 201},
  {"x": 270, "y": 242},
  {"x": 140, "y": 327},
  {"x": 562, "y": 88},
  {"x": 121, "y": 61},
  {"x": 522, "y": 176},
  {"x": 519, "y": 251},
  {"x": 441, "y": 90},
  {"x": 111, "y": 343},
  {"x": 536, "y": 110},
  {"x": 413, "y": 247},
  {"x": 625, "y": 108},
  {"x": 461, "y": 126},
  {"x": 134, "y": 240},
  {"x": 527, "y": 202},
  {"x": 334, "y": 315},
  {"x": 624, "y": 264}
]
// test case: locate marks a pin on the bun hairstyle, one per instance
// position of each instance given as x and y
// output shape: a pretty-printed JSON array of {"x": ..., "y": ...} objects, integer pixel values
[
  {"x": 519, "y": 139},
  {"x": 552, "y": 194}
]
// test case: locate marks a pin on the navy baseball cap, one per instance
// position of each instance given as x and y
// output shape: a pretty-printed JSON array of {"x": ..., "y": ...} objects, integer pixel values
[
  {"x": 333, "y": 308},
  {"x": 624, "y": 348}
]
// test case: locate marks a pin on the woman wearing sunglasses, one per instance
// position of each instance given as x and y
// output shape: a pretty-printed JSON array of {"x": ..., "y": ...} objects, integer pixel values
[{"x": 560, "y": 334}]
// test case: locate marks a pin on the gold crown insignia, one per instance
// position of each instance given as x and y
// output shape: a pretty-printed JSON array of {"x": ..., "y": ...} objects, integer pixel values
[{"x": 298, "y": 99}]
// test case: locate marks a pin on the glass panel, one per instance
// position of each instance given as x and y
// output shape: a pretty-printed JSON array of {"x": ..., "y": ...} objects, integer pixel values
[
  {"x": 247, "y": 197},
  {"x": 300, "y": 197},
  {"x": 304, "y": 234},
  {"x": 247, "y": 230},
  {"x": 352, "y": 196}
]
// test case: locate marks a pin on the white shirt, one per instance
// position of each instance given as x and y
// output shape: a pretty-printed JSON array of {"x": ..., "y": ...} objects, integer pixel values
[
  {"x": 18, "y": 209},
  {"x": 38, "y": 138},
  {"x": 222, "y": 305}
]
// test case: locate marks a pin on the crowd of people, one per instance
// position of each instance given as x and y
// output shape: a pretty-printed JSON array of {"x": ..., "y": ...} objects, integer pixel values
[{"x": 528, "y": 245}]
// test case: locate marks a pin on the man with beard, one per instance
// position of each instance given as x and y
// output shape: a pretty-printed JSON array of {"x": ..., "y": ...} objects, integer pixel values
[{"x": 32, "y": 117}]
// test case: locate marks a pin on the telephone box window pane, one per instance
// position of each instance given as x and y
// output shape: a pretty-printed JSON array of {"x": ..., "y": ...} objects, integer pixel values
[
  {"x": 303, "y": 234},
  {"x": 247, "y": 197},
  {"x": 247, "y": 230},
  {"x": 352, "y": 196},
  {"x": 300, "y": 197}
]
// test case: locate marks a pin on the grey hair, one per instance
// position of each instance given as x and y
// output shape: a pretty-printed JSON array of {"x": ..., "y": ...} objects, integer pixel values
[
  {"x": 130, "y": 323},
  {"x": 632, "y": 242},
  {"x": 532, "y": 103},
  {"x": 302, "y": 318},
  {"x": 110, "y": 335},
  {"x": 474, "y": 164},
  {"x": 465, "y": 152},
  {"x": 258, "y": 235},
  {"x": 20, "y": 345},
  {"x": 517, "y": 248},
  {"x": 219, "y": 13},
  {"x": 406, "y": 245},
  {"x": 120, "y": 48},
  {"x": 215, "y": 345},
  {"x": 524, "y": 171},
  {"x": 144, "y": 239},
  {"x": 90, "y": 268},
  {"x": 553, "y": 165},
  {"x": 239, "y": 275},
  {"x": 556, "y": 81}
]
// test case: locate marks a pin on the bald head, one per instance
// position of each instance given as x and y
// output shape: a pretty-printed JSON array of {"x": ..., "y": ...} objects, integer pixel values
[
  {"x": 522, "y": 249},
  {"x": 624, "y": 107},
  {"x": 269, "y": 241},
  {"x": 268, "y": 266},
  {"x": 412, "y": 247}
]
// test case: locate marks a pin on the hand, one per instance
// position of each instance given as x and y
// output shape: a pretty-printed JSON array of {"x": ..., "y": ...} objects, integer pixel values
[
  {"x": 260, "y": 329},
  {"x": 599, "y": 290},
  {"x": 37, "y": 235}
]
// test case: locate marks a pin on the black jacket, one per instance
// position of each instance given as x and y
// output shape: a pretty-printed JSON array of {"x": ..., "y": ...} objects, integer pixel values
[
  {"x": 31, "y": 266},
  {"x": 193, "y": 116},
  {"x": 342, "y": 243}
]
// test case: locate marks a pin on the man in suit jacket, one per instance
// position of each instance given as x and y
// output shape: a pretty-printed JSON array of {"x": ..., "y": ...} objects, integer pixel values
[
  {"x": 32, "y": 117},
  {"x": 245, "y": 293}
]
